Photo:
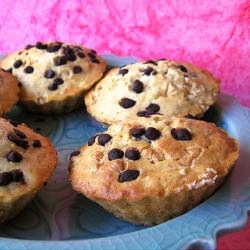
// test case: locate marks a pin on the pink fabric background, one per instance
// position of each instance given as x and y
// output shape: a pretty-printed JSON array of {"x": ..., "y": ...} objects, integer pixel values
[{"x": 211, "y": 33}]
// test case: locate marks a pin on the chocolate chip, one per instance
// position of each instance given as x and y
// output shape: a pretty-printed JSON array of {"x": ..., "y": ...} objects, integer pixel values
[
  {"x": 183, "y": 68},
  {"x": 40, "y": 45},
  {"x": 128, "y": 175},
  {"x": 54, "y": 47},
  {"x": 77, "y": 69},
  {"x": 152, "y": 108},
  {"x": 133, "y": 154},
  {"x": 71, "y": 57},
  {"x": 58, "y": 81},
  {"x": 60, "y": 60},
  {"x": 75, "y": 153},
  {"x": 93, "y": 51},
  {"x": 53, "y": 87},
  {"x": 123, "y": 72},
  {"x": 17, "y": 64},
  {"x": 181, "y": 134},
  {"x": 13, "y": 123},
  {"x": 151, "y": 62},
  {"x": 188, "y": 116},
  {"x": 20, "y": 85},
  {"x": 20, "y": 133},
  {"x": 115, "y": 153},
  {"x": 29, "y": 46},
  {"x": 149, "y": 71},
  {"x": 104, "y": 138},
  {"x": 17, "y": 176},
  {"x": 19, "y": 142},
  {"x": 137, "y": 86},
  {"x": 14, "y": 156},
  {"x": 92, "y": 55},
  {"x": 81, "y": 54},
  {"x": 127, "y": 103},
  {"x": 5, "y": 178},
  {"x": 29, "y": 70},
  {"x": 9, "y": 70},
  {"x": 142, "y": 114},
  {"x": 91, "y": 140},
  {"x": 152, "y": 133},
  {"x": 49, "y": 73},
  {"x": 94, "y": 60},
  {"x": 36, "y": 144},
  {"x": 137, "y": 132}
]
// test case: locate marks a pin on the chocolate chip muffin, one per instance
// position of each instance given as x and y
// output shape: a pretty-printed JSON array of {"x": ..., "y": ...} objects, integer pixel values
[
  {"x": 8, "y": 91},
  {"x": 149, "y": 170},
  {"x": 54, "y": 76},
  {"x": 150, "y": 87},
  {"x": 27, "y": 160}
]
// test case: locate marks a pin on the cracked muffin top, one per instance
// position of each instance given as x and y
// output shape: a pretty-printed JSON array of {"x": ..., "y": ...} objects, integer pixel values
[{"x": 150, "y": 87}]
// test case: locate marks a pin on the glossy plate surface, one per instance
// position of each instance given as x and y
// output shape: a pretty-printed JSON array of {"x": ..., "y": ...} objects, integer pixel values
[{"x": 59, "y": 218}]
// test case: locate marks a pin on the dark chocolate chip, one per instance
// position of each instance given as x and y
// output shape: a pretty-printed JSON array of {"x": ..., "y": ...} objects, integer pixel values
[
  {"x": 75, "y": 153},
  {"x": 5, "y": 178},
  {"x": 94, "y": 60},
  {"x": 137, "y": 86},
  {"x": 137, "y": 132},
  {"x": 29, "y": 46},
  {"x": 77, "y": 69},
  {"x": 133, "y": 154},
  {"x": 20, "y": 84},
  {"x": 40, "y": 45},
  {"x": 28, "y": 70},
  {"x": 71, "y": 57},
  {"x": 127, "y": 103},
  {"x": 17, "y": 64},
  {"x": 81, "y": 54},
  {"x": 188, "y": 116},
  {"x": 149, "y": 71},
  {"x": 142, "y": 114},
  {"x": 183, "y": 68},
  {"x": 128, "y": 175},
  {"x": 49, "y": 73},
  {"x": 181, "y": 134},
  {"x": 19, "y": 142},
  {"x": 152, "y": 108},
  {"x": 36, "y": 144},
  {"x": 92, "y": 55},
  {"x": 123, "y": 72},
  {"x": 13, "y": 123},
  {"x": 58, "y": 81},
  {"x": 53, "y": 87},
  {"x": 54, "y": 47},
  {"x": 151, "y": 62},
  {"x": 115, "y": 153},
  {"x": 14, "y": 156},
  {"x": 20, "y": 133},
  {"x": 152, "y": 133},
  {"x": 17, "y": 176},
  {"x": 60, "y": 60},
  {"x": 104, "y": 138},
  {"x": 91, "y": 140},
  {"x": 93, "y": 51}
]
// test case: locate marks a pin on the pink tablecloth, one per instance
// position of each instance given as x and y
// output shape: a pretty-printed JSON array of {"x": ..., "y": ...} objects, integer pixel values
[{"x": 211, "y": 33}]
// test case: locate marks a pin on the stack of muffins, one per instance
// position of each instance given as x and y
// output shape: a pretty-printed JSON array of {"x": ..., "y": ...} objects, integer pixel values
[{"x": 155, "y": 161}]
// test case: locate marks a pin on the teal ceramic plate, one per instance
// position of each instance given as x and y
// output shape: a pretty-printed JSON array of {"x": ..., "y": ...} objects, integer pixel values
[{"x": 59, "y": 218}]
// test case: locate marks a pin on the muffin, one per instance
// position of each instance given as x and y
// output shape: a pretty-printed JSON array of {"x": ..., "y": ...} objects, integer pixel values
[
  {"x": 27, "y": 160},
  {"x": 145, "y": 88},
  {"x": 8, "y": 91},
  {"x": 54, "y": 76},
  {"x": 149, "y": 170}
]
